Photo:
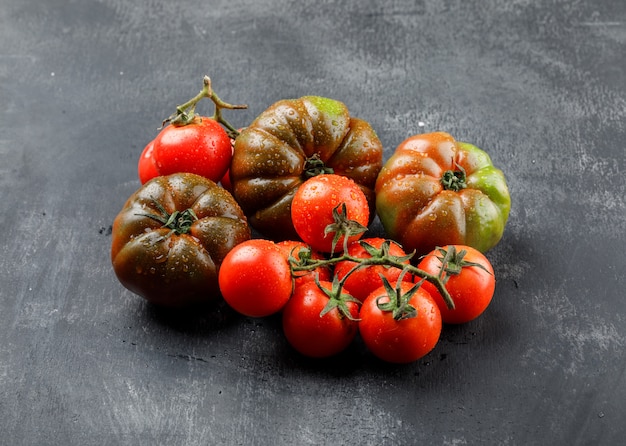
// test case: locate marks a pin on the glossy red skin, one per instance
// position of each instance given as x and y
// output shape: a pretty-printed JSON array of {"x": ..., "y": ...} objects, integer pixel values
[
  {"x": 312, "y": 335},
  {"x": 146, "y": 167},
  {"x": 202, "y": 147},
  {"x": 402, "y": 341},
  {"x": 170, "y": 269},
  {"x": 364, "y": 280},
  {"x": 313, "y": 204},
  {"x": 292, "y": 247},
  {"x": 472, "y": 290},
  {"x": 255, "y": 278}
]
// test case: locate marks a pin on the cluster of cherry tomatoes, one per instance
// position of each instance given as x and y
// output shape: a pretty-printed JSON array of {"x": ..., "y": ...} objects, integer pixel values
[
  {"x": 331, "y": 284},
  {"x": 344, "y": 287}
]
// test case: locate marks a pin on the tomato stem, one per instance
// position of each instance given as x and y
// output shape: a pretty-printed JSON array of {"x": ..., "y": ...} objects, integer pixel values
[
  {"x": 186, "y": 113},
  {"x": 454, "y": 180}
]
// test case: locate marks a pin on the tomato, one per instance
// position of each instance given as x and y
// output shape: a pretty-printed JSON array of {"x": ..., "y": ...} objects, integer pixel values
[
  {"x": 402, "y": 340},
  {"x": 202, "y": 147},
  {"x": 288, "y": 143},
  {"x": 468, "y": 277},
  {"x": 315, "y": 202},
  {"x": 366, "y": 279},
  {"x": 311, "y": 333},
  {"x": 292, "y": 248},
  {"x": 146, "y": 167},
  {"x": 171, "y": 236},
  {"x": 435, "y": 191},
  {"x": 255, "y": 278}
]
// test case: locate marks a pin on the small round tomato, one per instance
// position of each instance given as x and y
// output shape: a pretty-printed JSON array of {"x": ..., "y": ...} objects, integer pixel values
[
  {"x": 202, "y": 147},
  {"x": 405, "y": 338},
  {"x": 311, "y": 333},
  {"x": 468, "y": 277},
  {"x": 315, "y": 203},
  {"x": 292, "y": 248},
  {"x": 366, "y": 279},
  {"x": 255, "y": 278},
  {"x": 146, "y": 167}
]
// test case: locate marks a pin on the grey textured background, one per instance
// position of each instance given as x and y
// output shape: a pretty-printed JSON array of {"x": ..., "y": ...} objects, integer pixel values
[{"x": 84, "y": 85}]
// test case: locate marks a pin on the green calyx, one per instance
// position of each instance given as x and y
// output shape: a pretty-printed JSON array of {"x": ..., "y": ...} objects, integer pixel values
[
  {"x": 454, "y": 180},
  {"x": 398, "y": 301},
  {"x": 314, "y": 166},
  {"x": 179, "y": 222},
  {"x": 453, "y": 262},
  {"x": 186, "y": 113}
]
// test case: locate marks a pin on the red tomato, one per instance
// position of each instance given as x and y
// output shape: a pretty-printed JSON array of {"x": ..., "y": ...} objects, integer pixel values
[
  {"x": 310, "y": 333},
  {"x": 147, "y": 168},
  {"x": 313, "y": 204},
  {"x": 471, "y": 288},
  {"x": 292, "y": 247},
  {"x": 255, "y": 278},
  {"x": 202, "y": 147},
  {"x": 366, "y": 279},
  {"x": 225, "y": 181},
  {"x": 404, "y": 340}
]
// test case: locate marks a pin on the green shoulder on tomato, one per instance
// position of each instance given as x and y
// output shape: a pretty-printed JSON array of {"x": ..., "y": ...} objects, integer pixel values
[{"x": 435, "y": 191}]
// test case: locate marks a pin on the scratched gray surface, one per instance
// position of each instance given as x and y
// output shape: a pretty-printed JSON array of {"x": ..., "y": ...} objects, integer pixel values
[{"x": 539, "y": 85}]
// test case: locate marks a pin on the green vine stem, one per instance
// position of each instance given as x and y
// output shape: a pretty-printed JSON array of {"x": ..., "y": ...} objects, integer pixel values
[
  {"x": 304, "y": 262},
  {"x": 186, "y": 113}
]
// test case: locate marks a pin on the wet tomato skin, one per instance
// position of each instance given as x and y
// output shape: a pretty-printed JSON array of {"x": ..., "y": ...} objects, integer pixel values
[
  {"x": 400, "y": 341},
  {"x": 309, "y": 332},
  {"x": 255, "y": 278},
  {"x": 176, "y": 267},
  {"x": 313, "y": 204},
  {"x": 202, "y": 147}
]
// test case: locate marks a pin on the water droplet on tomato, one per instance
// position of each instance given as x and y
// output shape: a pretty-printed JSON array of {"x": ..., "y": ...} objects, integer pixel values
[{"x": 432, "y": 217}]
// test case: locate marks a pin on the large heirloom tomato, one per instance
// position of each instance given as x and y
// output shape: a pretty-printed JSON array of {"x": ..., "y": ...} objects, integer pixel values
[
  {"x": 436, "y": 191},
  {"x": 288, "y": 143},
  {"x": 171, "y": 237}
]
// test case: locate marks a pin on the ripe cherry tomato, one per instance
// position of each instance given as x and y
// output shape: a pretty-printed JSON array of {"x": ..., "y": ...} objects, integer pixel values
[
  {"x": 292, "y": 247},
  {"x": 469, "y": 278},
  {"x": 313, "y": 204},
  {"x": 400, "y": 340},
  {"x": 308, "y": 331},
  {"x": 255, "y": 278},
  {"x": 146, "y": 167},
  {"x": 202, "y": 147},
  {"x": 366, "y": 279}
]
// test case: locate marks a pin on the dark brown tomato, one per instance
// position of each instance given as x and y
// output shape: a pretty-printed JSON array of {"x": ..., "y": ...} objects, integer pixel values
[
  {"x": 171, "y": 237},
  {"x": 291, "y": 141}
]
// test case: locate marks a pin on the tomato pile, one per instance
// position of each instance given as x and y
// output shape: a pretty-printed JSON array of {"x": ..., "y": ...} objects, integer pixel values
[{"x": 309, "y": 179}]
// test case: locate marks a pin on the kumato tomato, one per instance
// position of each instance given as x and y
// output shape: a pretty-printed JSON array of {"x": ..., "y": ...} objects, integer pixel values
[
  {"x": 468, "y": 277},
  {"x": 434, "y": 191},
  {"x": 171, "y": 237},
  {"x": 315, "y": 203},
  {"x": 402, "y": 340},
  {"x": 255, "y": 278},
  {"x": 291, "y": 141},
  {"x": 202, "y": 147},
  {"x": 315, "y": 334}
]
